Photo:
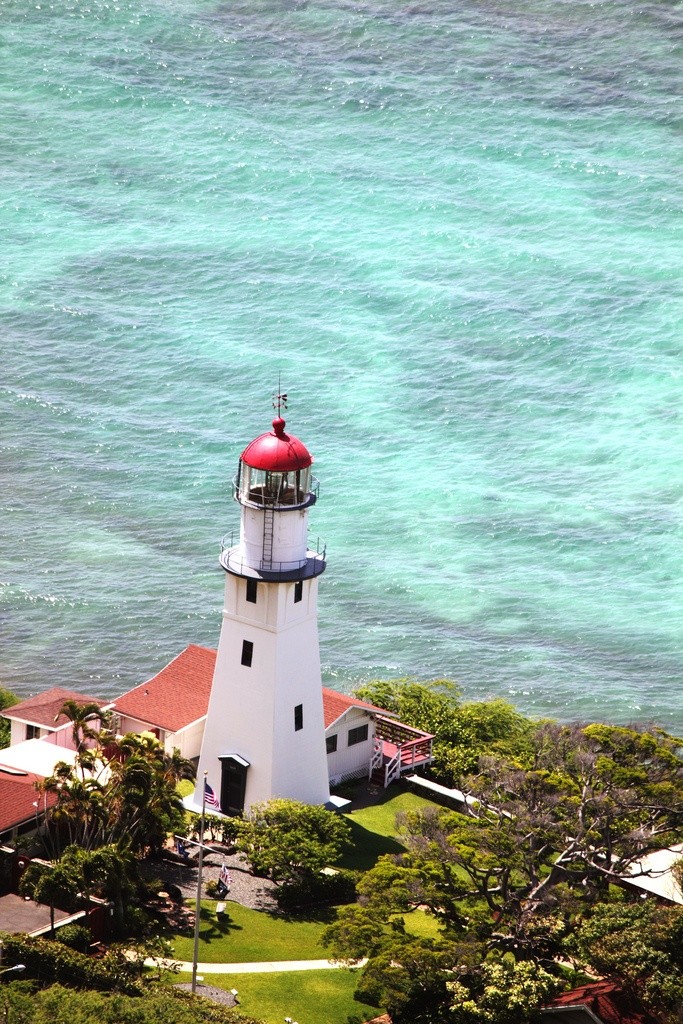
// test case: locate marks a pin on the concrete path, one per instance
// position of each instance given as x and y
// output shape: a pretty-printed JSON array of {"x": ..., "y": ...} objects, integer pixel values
[{"x": 262, "y": 967}]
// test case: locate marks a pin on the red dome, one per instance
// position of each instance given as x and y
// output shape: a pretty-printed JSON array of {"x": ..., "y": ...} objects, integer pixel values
[{"x": 276, "y": 451}]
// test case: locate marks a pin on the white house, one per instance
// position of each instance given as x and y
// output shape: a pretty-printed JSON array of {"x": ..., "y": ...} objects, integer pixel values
[
  {"x": 363, "y": 740},
  {"x": 40, "y": 717}
]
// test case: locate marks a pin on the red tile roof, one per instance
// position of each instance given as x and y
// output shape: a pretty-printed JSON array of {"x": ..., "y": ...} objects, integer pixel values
[
  {"x": 607, "y": 1001},
  {"x": 17, "y": 798},
  {"x": 335, "y": 704},
  {"x": 45, "y": 707},
  {"x": 175, "y": 697}
]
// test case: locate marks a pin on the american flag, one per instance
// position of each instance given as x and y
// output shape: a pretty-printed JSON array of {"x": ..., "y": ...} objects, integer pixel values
[{"x": 210, "y": 797}]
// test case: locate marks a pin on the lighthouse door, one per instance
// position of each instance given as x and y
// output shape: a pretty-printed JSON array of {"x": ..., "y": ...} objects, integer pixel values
[{"x": 233, "y": 783}]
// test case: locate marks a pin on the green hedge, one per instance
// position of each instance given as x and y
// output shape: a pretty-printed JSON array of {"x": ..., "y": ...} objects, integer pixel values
[{"x": 50, "y": 962}]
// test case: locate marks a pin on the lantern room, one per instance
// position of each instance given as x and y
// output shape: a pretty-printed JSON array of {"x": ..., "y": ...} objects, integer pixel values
[{"x": 275, "y": 471}]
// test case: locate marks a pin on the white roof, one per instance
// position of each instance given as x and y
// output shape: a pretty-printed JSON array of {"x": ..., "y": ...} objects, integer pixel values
[
  {"x": 661, "y": 881},
  {"x": 37, "y": 756}
]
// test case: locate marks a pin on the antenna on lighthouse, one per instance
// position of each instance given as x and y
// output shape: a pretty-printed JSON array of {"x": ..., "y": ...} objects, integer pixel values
[
  {"x": 280, "y": 402},
  {"x": 279, "y": 399}
]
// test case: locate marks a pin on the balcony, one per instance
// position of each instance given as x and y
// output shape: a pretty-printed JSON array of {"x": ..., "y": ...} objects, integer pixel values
[
  {"x": 275, "y": 571},
  {"x": 398, "y": 748}
]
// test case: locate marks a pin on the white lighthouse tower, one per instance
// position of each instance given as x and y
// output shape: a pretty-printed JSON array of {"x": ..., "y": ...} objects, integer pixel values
[{"x": 264, "y": 735}]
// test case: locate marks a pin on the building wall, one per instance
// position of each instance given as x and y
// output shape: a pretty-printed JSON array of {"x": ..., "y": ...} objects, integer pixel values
[
  {"x": 60, "y": 737},
  {"x": 187, "y": 741},
  {"x": 18, "y": 733},
  {"x": 126, "y": 724},
  {"x": 350, "y": 761}
]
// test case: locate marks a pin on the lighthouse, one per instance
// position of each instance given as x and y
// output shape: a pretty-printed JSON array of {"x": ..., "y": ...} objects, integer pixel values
[{"x": 264, "y": 735}]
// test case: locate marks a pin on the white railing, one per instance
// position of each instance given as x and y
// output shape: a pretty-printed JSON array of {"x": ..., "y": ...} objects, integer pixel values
[
  {"x": 376, "y": 759},
  {"x": 232, "y": 556},
  {"x": 392, "y": 769},
  {"x": 415, "y": 752}
]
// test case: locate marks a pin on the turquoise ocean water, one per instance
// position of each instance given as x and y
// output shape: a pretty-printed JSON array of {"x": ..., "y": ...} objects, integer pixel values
[{"x": 453, "y": 229}]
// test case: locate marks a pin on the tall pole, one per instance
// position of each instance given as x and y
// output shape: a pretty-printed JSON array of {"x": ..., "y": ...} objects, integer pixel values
[{"x": 198, "y": 902}]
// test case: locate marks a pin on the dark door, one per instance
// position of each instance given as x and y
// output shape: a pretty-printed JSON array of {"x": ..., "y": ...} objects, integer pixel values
[{"x": 233, "y": 784}]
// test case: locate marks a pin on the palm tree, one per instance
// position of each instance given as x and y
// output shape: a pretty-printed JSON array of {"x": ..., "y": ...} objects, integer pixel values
[
  {"x": 132, "y": 801},
  {"x": 78, "y": 813},
  {"x": 143, "y": 800},
  {"x": 81, "y": 717}
]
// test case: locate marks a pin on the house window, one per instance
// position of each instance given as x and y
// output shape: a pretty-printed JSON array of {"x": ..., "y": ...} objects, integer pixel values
[
  {"x": 32, "y": 732},
  {"x": 298, "y": 717},
  {"x": 358, "y": 735},
  {"x": 298, "y": 591},
  {"x": 247, "y": 652},
  {"x": 252, "y": 586},
  {"x": 331, "y": 743}
]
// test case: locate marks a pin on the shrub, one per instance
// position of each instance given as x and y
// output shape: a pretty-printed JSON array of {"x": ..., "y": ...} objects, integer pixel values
[
  {"x": 75, "y": 936},
  {"x": 137, "y": 921},
  {"x": 318, "y": 890},
  {"x": 286, "y": 840},
  {"x": 216, "y": 828}
]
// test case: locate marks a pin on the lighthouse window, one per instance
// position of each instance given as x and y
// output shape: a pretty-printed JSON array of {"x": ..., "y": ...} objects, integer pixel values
[
  {"x": 358, "y": 735},
  {"x": 247, "y": 652},
  {"x": 252, "y": 586},
  {"x": 298, "y": 591},
  {"x": 298, "y": 717}
]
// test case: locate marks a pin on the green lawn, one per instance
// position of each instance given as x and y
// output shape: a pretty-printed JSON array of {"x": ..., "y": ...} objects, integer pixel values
[
  {"x": 421, "y": 924},
  {"x": 243, "y": 936},
  {"x": 374, "y": 828},
  {"x": 311, "y": 997}
]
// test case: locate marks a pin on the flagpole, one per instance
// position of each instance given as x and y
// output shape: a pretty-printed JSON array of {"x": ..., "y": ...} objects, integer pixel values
[{"x": 198, "y": 902}]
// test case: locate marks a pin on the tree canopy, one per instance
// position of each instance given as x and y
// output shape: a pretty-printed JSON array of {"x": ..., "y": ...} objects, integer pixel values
[
  {"x": 639, "y": 944},
  {"x": 118, "y": 802},
  {"x": 60, "y": 1005},
  {"x": 7, "y": 700},
  {"x": 285, "y": 840},
  {"x": 462, "y": 731},
  {"x": 552, "y": 829}
]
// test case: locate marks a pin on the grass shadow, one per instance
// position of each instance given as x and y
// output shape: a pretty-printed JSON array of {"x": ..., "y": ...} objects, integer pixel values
[
  {"x": 368, "y": 846},
  {"x": 214, "y": 928},
  {"x": 318, "y": 914}
]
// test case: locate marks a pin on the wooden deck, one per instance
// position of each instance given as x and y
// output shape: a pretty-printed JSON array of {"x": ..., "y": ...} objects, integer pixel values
[{"x": 398, "y": 749}]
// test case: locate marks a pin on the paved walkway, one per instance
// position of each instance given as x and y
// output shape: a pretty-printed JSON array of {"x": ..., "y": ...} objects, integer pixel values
[{"x": 262, "y": 967}]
